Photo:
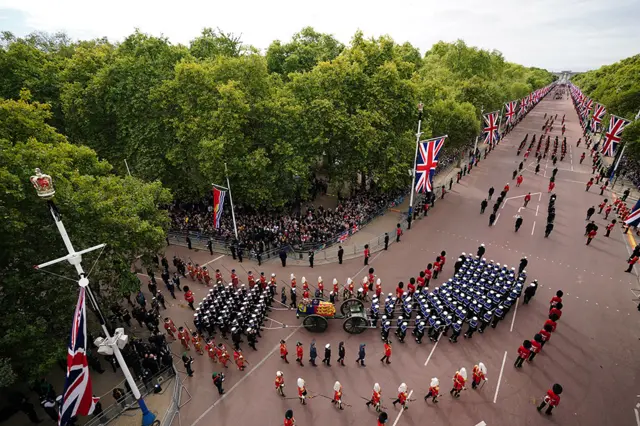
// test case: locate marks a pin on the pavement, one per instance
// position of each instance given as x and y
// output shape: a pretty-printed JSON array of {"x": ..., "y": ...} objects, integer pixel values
[{"x": 592, "y": 354}]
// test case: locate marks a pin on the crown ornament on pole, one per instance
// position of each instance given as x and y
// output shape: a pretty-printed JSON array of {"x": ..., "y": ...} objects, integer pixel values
[{"x": 43, "y": 185}]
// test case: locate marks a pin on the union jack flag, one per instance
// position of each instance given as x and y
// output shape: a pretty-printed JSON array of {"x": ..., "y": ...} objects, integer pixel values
[
  {"x": 78, "y": 397},
  {"x": 634, "y": 217},
  {"x": 510, "y": 110},
  {"x": 523, "y": 104},
  {"x": 612, "y": 137},
  {"x": 491, "y": 127},
  {"x": 598, "y": 115},
  {"x": 426, "y": 163},
  {"x": 343, "y": 237}
]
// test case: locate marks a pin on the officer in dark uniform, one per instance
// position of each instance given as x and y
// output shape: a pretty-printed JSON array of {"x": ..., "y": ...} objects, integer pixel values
[
  {"x": 498, "y": 316},
  {"x": 457, "y": 328},
  {"x": 473, "y": 326}
]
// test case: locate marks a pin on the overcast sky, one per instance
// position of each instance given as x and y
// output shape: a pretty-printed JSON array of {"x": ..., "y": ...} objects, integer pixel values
[{"x": 554, "y": 34}]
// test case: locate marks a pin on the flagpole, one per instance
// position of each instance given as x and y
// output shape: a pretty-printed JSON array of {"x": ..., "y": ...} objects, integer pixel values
[
  {"x": 475, "y": 145},
  {"x": 413, "y": 171},
  {"x": 500, "y": 122},
  {"x": 615, "y": 168},
  {"x": 75, "y": 259},
  {"x": 233, "y": 214}
]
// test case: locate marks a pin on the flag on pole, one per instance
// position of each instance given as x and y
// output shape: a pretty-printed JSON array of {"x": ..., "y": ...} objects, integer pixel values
[
  {"x": 77, "y": 399},
  {"x": 634, "y": 218},
  {"x": 612, "y": 137},
  {"x": 510, "y": 110},
  {"x": 597, "y": 117},
  {"x": 426, "y": 163},
  {"x": 218, "y": 205},
  {"x": 490, "y": 127}
]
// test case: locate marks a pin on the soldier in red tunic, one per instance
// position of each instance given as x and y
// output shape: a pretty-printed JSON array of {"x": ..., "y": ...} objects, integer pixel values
[
  {"x": 183, "y": 335},
  {"x": 378, "y": 288},
  {"x": 382, "y": 419},
  {"x": 552, "y": 398},
  {"x": 218, "y": 276},
  {"x": 536, "y": 346},
  {"x": 375, "y": 397},
  {"x": 199, "y": 273},
  {"x": 250, "y": 279},
  {"x": 459, "y": 380},
  {"x": 299, "y": 353},
  {"x": 293, "y": 281},
  {"x": 197, "y": 342},
  {"x": 302, "y": 391},
  {"x": 523, "y": 353},
  {"x": 206, "y": 276},
  {"x": 479, "y": 374},
  {"x": 283, "y": 351},
  {"x": 556, "y": 299},
  {"x": 402, "y": 396},
  {"x": 223, "y": 355},
  {"x": 321, "y": 287},
  {"x": 234, "y": 279},
  {"x": 336, "y": 288},
  {"x": 288, "y": 418},
  {"x": 210, "y": 347},
  {"x": 170, "y": 327},
  {"x": 337, "y": 395},
  {"x": 434, "y": 390},
  {"x": 263, "y": 281},
  {"x": 280, "y": 383}
]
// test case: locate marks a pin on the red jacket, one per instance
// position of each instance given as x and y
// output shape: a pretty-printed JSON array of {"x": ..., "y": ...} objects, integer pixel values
[
  {"x": 427, "y": 274},
  {"x": 420, "y": 281},
  {"x": 523, "y": 352},
  {"x": 399, "y": 292},
  {"x": 289, "y": 422},
  {"x": 299, "y": 352},
  {"x": 552, "y": 323},
  {"x": 555, "y": 299},
  {"x": 387, "y": 349},
  {"x": 366, "y": 252},
  {"x": 188, "y": 296},
  {"x": 592, "y": 233},
  {"x": 545, "y": 335},
  {"x": 633, "y": 260},
  {"x": 535, "y": 347},
  {"x": 556, "y": 311},
  {"x": 436, "y": 266},
  {"x": 411, "y": 288},
  {"x": 552, "y": 399}
]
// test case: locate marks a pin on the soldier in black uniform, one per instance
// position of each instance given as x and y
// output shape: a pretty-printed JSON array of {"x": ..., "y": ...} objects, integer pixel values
[
  {"x": 481, "y": 251},
  {"x": 530, "y": 291},
  {"x": 473, "y": 326}
]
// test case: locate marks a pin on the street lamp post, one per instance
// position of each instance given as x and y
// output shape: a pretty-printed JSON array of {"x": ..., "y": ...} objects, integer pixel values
[
  {"x": 44, "y": 187},
  {"x": 413, "y": 171}
]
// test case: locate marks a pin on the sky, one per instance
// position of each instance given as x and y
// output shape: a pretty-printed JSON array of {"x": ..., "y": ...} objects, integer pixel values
[{"x": 557, "y": 35}]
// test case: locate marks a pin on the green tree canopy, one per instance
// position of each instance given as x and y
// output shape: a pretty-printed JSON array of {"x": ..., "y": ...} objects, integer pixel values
[{"x": 96, "y": 207}]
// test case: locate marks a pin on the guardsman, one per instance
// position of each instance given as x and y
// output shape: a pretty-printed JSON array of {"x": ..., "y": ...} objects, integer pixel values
[
  {"x": 251, "y": 338},
  {"x": 552, "y": 398},
  {"x": 305, "y": 284},
  {"x": 378, "y": 288},
  {"x": 240, "y": 360},
  {"x": 218, "y": 276},
  {"x": 556, "y": 299},
  {"x": 302, "y": 391},
  {"x": 197, "y": 342},
  {"x": 402, "y": 396},
  {"x": 280, "y": 383},
  {"x": 371, "y": 278},
  {"x": 337, "y": 395},
  {"x": 479, "y": 374},
  {"x": 170, "y": 327},
  {"x": 263, "y": 281},
  {"x": 210, "y": 347},
  {"x": 251, "y": 279},
  {"x": 434, "y": 390},
  {"x": 349, "y": 291},
  {"x": 288, "y": 418},
  {"x": 481, "y": 251},
  {"x": 283, "y": 351},
  {"x": 199, "y": 272},
  {"x": 387, "y": 352},
  {"x": 321, "y": 287},
  {"x": 273, "y": 285},
  {"x": 191, "y": 270},
  {"x": 523, "y": 353},
  {"x": 188, "y": 296},
  {"x": 336, "y": 288},
  {"x": 223, "y": 355},
  {"x": 459, "y": 380},
  {"x": 375, "y": 397},
  {"x": 234, "y": 279},
  {"x": 299, "y": 354},
  {"x": 183, "y": 335},
  {"x": 536, "y": 346},
  {"x": 382, "y": 419},
  {"x": 205, "y": 275}
]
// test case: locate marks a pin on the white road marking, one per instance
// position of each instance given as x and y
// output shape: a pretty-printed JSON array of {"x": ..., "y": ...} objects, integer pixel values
[
  {"x": 482, "y": 423},
  {"x": 537, "y": 207},
  {"x": 515, "y": 312},
  {"x": 496, "y": 221},
  {"x": 504, "y": 359},
  {"x": 262, "y": 361},
  {"x": 402, "y": 410},
  {"x": 637, "y": 416},
  {"x": 534, "y": 227},
  {"x": 432, "y": 350},
  {"x": 211, "y": 261}
]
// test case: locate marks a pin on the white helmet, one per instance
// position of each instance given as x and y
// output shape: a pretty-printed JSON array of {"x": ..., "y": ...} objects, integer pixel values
[
  {"x": 349, "y": 281},
  {"x": 376, "y": 387},
  {"x": 327, "y": 346},
  {"x": 337, "y": 386},
  {"x": 482, "y": 368},
  {"x": 335, "y": 281},
  {"x": 273, "y": 275},
  {"x": 435, "y": 382},
  {"x": 300, "y": 383},
  {"x": 378, "y": 281},
  {"x": 319, "y": 279},
  {"x": 293, "y": 276},
  {"x": 364, "y": 280},
  {"x": 463, "y": 373},
  {"x": 402, "y": 388},
  {"x": 279, "y": 373},
  {"x": 304, "y": 280}
]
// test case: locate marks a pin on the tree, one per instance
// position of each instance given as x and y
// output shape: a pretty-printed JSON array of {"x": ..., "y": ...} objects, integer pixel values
[
  {"x": 306, "y": 49},
  {"x": 96, "y": 207},
  {"x": 213, "y": 43}
]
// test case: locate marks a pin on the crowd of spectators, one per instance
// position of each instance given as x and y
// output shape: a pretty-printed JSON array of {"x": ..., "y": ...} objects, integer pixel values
[
  {"x": 631, "y": 170},
  {"x": 309, "y": 227}
]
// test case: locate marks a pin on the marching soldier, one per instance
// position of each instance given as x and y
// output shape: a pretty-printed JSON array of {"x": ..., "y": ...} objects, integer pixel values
[
  {"x": 457, "y": 329},
  {"x": 434, "y": 390},
  {"x": 283, "y": 351},
  {"x": 183, "y": 335},
  {"x": 302, "y": 391},
  {"x": 473, "y": 326},
  {"x": 299, "y": 353},
  {"x": 375, "y": 397},
  {"x": 479, "y": 374},
  {"x": 170, "y": 327},
  {"x": 288, "y": 418},
  {"x": 280, "y": 383},
  {"x": 337, "y": 395},
  {"x": 552, "y": 398},
  {"x": 459, "y": 380},
  {"x": 523, "y": 353},
  {"x": 402, "y": 396}
]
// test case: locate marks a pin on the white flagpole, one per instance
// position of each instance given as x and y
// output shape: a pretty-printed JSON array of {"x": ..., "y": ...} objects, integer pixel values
[
  {"x": 475, "y": 145},
  {"x": 413, "y": 171},
  {"x": 233, "y": 214}
]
